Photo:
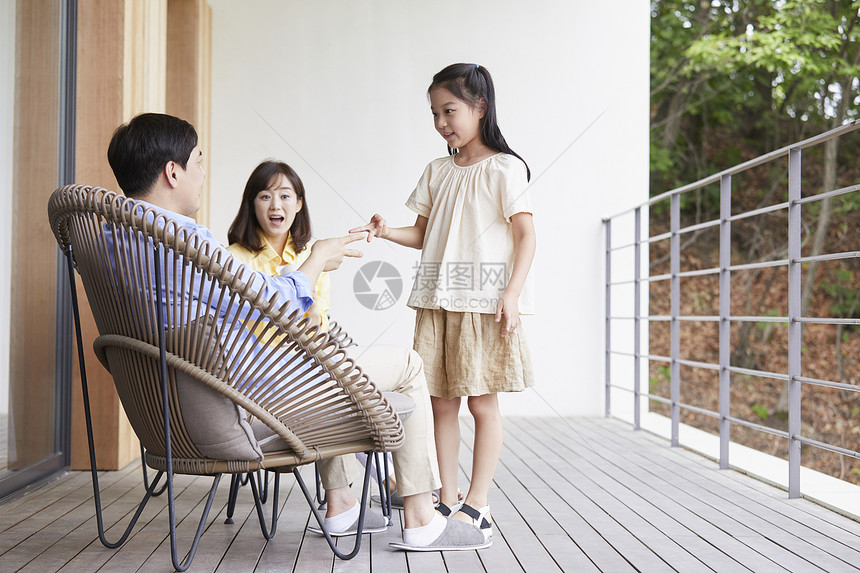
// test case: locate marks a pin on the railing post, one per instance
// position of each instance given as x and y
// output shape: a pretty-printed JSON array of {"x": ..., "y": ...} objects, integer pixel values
[
  {"x": 637, "y": 311},
  {"x": 725, "y": 313},
  {"x": 608, "y": 344},
  {"x": 794, "y": 326},
  {"x": 675, "y": 324}
]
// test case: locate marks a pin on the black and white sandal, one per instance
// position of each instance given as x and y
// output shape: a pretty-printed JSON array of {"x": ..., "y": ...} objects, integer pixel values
[
  {"x": 479, "y": 518},
  {"x": 447, "y": 511}
]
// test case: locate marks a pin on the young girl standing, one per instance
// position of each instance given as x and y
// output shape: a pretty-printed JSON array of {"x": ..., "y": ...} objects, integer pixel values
[{"x": 477, "y": 237}]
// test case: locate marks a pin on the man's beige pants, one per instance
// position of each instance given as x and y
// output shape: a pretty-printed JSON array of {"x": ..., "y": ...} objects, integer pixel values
[{"x": 395, "y": 369}]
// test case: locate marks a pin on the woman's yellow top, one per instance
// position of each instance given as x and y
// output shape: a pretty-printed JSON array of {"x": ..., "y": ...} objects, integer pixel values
[{"x": 272, "y": 263}]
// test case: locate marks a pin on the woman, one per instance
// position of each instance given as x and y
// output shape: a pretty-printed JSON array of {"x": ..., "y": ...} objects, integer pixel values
[
  {"x": 272, "y": 230},
  {"x": 271, "y": 234}
]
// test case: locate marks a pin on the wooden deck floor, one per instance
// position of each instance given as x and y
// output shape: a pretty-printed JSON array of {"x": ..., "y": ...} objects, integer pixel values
[{"x": 574, "y": 494}]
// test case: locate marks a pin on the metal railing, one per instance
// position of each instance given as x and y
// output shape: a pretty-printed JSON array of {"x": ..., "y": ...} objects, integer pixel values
[{"x": 794, "y": 320}]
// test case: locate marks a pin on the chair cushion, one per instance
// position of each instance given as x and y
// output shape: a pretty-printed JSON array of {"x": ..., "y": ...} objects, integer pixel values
[
  {"x": 218, "y": 426},
  {"x": 269, "y": 441},
  {"x": 403, "y": 405}
]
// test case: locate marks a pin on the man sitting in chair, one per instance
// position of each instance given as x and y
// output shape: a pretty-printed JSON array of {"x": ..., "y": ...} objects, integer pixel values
[{"x": 156, "y": 160}]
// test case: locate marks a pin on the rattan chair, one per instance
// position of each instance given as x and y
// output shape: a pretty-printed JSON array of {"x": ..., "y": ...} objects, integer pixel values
[{"x": 214, "y": 353}]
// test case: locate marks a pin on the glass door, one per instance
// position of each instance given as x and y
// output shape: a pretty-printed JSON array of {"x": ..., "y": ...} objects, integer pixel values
[
  {"x": 7, "y": 114},
  {"x": 36, "y": 143}
]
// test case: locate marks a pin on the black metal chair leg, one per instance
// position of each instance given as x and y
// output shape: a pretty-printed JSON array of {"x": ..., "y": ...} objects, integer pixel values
[
  {"x": 235, "y": 482},
  {"x": 146, "y": 474},
  {"x": 263, "y": 480},
  {"x": 165, "y": 408},
  {"x": 189, "y": 557},
  {"x": 383, "y": 487},
  {"x": 238, "y": 480},
  {"x": 258, "y": 503},
  {"x": 320, "y": 497},
  {"x": 321, "y": 520},
  {"x": 387, "y": 505},
  {"x": 150, "y": 489}
]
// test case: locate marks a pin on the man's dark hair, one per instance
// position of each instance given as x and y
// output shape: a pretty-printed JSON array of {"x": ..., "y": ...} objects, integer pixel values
[{"x": 140, "y": 149}]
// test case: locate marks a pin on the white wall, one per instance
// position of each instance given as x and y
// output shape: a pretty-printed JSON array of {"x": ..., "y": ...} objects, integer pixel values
[
  {"x": 338, "y": 90},
  {"x": 7, "y": 111}
]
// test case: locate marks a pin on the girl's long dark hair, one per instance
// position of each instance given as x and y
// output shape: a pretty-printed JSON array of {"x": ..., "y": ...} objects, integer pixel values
[
  {"x": 470, "y": 83},
  {"x": 244, "y": 228}
]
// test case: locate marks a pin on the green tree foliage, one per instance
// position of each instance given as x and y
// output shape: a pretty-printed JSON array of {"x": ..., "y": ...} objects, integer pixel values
[{"x": 733, "y": 79}]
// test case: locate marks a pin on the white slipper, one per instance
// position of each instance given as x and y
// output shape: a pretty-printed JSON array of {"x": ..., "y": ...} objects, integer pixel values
[{"x": 373, "y": 523}]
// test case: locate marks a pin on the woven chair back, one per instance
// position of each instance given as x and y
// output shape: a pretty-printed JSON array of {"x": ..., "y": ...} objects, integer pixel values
[{"x": 218, "y": 329}]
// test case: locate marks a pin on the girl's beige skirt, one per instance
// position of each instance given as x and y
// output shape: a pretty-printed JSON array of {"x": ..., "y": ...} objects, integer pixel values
[{"x": 464, "y": 354}]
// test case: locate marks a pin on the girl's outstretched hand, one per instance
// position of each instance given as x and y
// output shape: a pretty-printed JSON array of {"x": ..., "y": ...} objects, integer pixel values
[
  {"x": 508, "y": 308},
  {"x": 376, "y": 228}
]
